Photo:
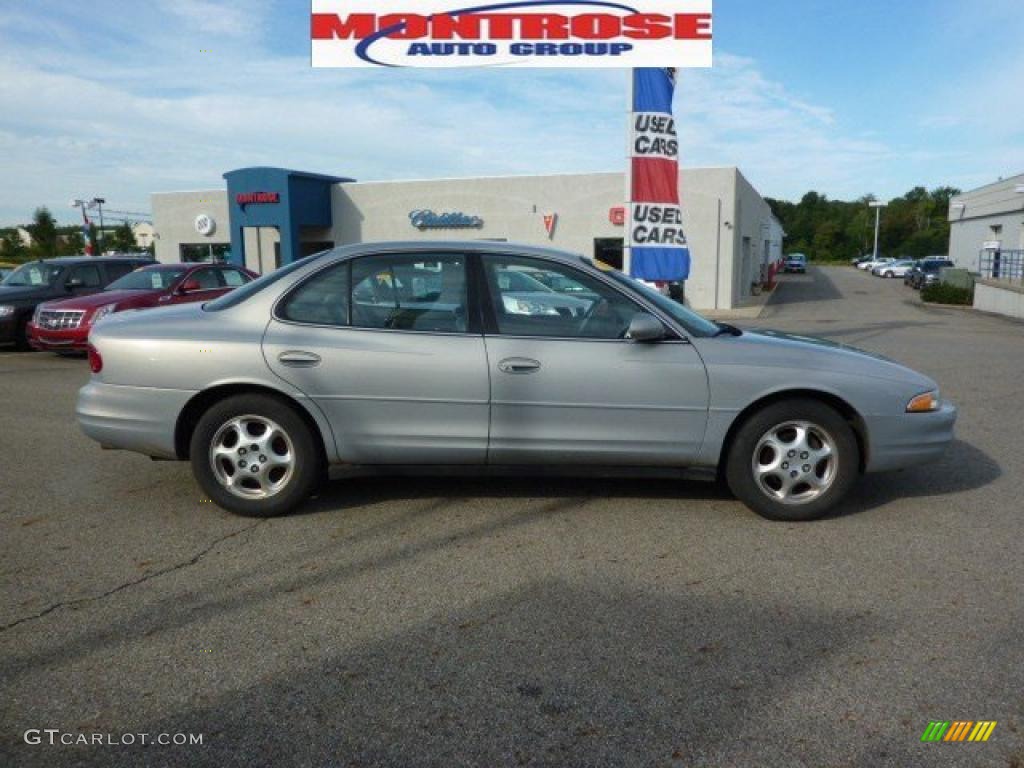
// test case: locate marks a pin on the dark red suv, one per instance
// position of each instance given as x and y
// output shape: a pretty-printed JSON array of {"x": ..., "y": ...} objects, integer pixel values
[{"x": 64, "y": 325}]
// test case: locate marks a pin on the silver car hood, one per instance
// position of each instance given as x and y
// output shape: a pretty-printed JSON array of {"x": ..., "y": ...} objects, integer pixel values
[{"x": 776, "y": 349}]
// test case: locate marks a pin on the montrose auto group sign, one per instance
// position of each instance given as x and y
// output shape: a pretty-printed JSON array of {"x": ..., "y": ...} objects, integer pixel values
[{"x": 523, "y": 33}]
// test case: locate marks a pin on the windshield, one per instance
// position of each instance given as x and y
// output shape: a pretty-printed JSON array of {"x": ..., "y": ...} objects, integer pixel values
[
  {"x": 35, "y": 273},
  {"x": 238, "y": 295},
  {"x": 690, "y": 320},
  {"x": 147, "y": 279}
]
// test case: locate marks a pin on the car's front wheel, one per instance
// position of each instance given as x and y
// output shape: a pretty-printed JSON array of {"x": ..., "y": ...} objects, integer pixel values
[
  {"x": 255, "y": 456},
  {"x": 890, "y": 274},
  {"x": 793, "y": 460}
]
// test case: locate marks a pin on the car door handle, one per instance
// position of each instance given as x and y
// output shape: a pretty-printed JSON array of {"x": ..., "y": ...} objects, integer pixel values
[
  {"x": 296, "y": 358},
  {"x": 518, "y": 365}
]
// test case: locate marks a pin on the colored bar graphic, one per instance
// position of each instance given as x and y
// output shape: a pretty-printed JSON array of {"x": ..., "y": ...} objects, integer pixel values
[{"x": 958, "y": 730}]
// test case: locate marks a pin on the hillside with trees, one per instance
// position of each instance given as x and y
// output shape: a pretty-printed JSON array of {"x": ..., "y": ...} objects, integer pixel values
[{"x": 913, "y": 225}]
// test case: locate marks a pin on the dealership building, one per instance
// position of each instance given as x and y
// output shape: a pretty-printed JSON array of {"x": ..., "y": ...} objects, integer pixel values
[
  {"x": 267, "y": 217},
  {"x": 988, "y": 219}
]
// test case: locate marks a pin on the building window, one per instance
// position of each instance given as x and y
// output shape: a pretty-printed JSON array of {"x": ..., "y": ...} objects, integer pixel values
[{"x": 213, "y": 252}]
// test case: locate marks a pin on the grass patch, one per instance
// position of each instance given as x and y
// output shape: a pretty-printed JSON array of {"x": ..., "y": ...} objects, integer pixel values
[{"x": 944, "y": 293}]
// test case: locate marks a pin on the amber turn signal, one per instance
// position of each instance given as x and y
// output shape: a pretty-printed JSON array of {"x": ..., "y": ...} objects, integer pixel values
[{"x": 929, "y": 401}]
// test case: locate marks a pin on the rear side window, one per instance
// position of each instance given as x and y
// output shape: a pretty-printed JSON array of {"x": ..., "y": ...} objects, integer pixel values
[
  {"x": 233, "y": 278},
  {"x": 410, "y": 292},
  {"x": 89, "y": 274},
  {"x": 321, "y": 300}
]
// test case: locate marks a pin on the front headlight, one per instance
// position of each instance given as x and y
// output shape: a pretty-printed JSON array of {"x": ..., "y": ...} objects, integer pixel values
[
  {"x": 924, "y": 403},
  {"x": 102, "y": 312},
  {"x": 6, "y": 310}
]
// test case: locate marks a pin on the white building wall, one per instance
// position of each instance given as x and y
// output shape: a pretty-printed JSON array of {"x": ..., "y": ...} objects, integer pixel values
[
  {"x": 994, "y": 212},
  {"x": 719, "y": 209},
  {"x": 174, "y": 216}
]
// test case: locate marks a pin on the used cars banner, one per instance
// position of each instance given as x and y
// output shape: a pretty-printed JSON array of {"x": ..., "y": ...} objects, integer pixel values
[{"x": 657, "y": 248}]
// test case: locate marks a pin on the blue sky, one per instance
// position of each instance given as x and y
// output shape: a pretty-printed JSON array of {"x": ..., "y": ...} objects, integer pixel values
[{"x": 121, "y": 99}]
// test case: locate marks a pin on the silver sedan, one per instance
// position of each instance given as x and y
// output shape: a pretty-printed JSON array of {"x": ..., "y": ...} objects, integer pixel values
[{"x": 392, "y": 355}]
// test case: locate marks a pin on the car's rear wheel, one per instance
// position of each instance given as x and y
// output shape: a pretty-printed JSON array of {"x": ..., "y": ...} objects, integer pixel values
[
  {"x": 793, "y": 460},
  {"x": 255, "y": 456}
]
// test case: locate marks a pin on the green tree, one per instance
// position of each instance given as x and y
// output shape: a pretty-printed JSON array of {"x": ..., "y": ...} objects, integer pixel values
[
  {"x": 44, "y": 233},
  {"x": 11, "y": 248},
  {"x": 121, "y": 239}
]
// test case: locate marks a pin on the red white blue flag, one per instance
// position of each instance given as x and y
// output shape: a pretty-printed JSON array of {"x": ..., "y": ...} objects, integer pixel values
[{"x": 657, "y": 245}]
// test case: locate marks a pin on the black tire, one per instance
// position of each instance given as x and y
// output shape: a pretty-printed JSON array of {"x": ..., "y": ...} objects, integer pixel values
[
  {"x": 739, "y": 471},
  {"x": 889, "y": 274},
  {"x": 21, "y": 337},
  {"x": 307, "y": 465}
]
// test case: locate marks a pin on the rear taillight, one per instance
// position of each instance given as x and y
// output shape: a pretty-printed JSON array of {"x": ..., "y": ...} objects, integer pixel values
[{"x": 95, "y": 361}]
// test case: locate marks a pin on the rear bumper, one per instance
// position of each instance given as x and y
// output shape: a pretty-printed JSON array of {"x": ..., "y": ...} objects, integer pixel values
[
  {"x": 140, "y": 419},
  {"x": 71, "y": 338},
  {"x": 910, "y": 439}
]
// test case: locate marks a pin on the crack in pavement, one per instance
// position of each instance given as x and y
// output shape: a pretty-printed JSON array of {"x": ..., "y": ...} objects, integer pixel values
[{"x": 152, "y": 575}]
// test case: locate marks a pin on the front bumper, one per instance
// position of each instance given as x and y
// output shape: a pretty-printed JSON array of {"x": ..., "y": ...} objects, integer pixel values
[
  {"x": 69, "y": 338},
  {"x": 910, "y": 439},
  {"x": 141, "y": 419}
]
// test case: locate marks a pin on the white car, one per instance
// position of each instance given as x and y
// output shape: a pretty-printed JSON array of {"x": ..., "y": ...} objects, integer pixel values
[
  {"x": 867, "y": 266},
  {"x": 894, "y": 268}
]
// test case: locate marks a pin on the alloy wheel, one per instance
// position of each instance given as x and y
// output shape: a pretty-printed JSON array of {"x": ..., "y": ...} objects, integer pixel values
[
  {"x": 795, "y": 462},
  {"x": 252, "y": 457}
]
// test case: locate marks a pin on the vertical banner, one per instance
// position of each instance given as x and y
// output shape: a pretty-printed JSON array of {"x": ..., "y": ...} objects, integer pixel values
[{"x": 655, "y": 247}]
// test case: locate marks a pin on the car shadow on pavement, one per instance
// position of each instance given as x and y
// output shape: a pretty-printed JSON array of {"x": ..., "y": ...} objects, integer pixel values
[
  {"x": 549, "y": 673},
  {"x": 961, "y": 468},
  {"x": 346, "y": 494}
]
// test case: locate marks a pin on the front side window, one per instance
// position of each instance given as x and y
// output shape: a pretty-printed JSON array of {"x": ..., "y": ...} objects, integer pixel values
[
  {"x": 208, "y": 279},
  {"x": 411, "y": 292},
  {"x": 526, "y": 303}
]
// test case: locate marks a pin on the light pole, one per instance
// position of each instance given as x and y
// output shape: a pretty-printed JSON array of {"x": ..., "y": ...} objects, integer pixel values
[
  {"x": 99, "y": 201},
  {"x": 878, "y": 206}
]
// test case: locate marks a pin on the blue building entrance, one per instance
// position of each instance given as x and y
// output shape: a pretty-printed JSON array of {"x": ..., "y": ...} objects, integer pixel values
[{"x": 268, "y": 208}]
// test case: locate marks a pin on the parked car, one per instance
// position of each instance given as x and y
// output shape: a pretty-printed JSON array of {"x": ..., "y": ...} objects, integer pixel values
[
  {"x": 869, "y": 265},
  {"x": 38, "y": 281},
  {"x": 301, "y": 370},
  {"x": 894, "y": 268},
  {"x": 927, "y": 272},
  {"x": 795, "y": 262},
  {"x": 857, "y": 261},
  {"x": 65, "y": 325}
]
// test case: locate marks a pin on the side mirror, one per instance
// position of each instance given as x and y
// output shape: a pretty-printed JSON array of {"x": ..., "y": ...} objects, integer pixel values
[
  {"x": 645, "y": 327},
  {"x": 190, "y": 285}
]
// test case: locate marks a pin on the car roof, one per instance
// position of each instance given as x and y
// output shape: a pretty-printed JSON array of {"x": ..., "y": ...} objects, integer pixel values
[
  {"x": 472, "y": 246},
  {"x": 63, "y": 260}
]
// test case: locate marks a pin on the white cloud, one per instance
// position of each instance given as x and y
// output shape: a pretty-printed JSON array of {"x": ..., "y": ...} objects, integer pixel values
[{"x": 138, "y": 112}]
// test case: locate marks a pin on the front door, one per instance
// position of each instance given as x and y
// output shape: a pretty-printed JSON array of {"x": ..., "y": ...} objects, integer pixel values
[
  {"x": 385, "y": 346},
  {"x": 567, "y": 387}
]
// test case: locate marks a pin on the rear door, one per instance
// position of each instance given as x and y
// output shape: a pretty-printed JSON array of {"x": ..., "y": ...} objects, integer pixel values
[{"x": 389, "y": 349}]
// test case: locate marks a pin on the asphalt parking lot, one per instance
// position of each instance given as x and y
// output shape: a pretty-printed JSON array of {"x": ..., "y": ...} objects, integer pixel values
[{"x": 447, "y": 622}]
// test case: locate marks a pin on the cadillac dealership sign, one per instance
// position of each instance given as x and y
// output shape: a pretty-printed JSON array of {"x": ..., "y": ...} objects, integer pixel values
[
  {"x": 425, "y": 219},
  {"x": 524, "y": 33}
]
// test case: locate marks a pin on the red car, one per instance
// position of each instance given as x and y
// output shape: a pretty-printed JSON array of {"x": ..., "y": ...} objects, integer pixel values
[{"x": 65, "y": 325}]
